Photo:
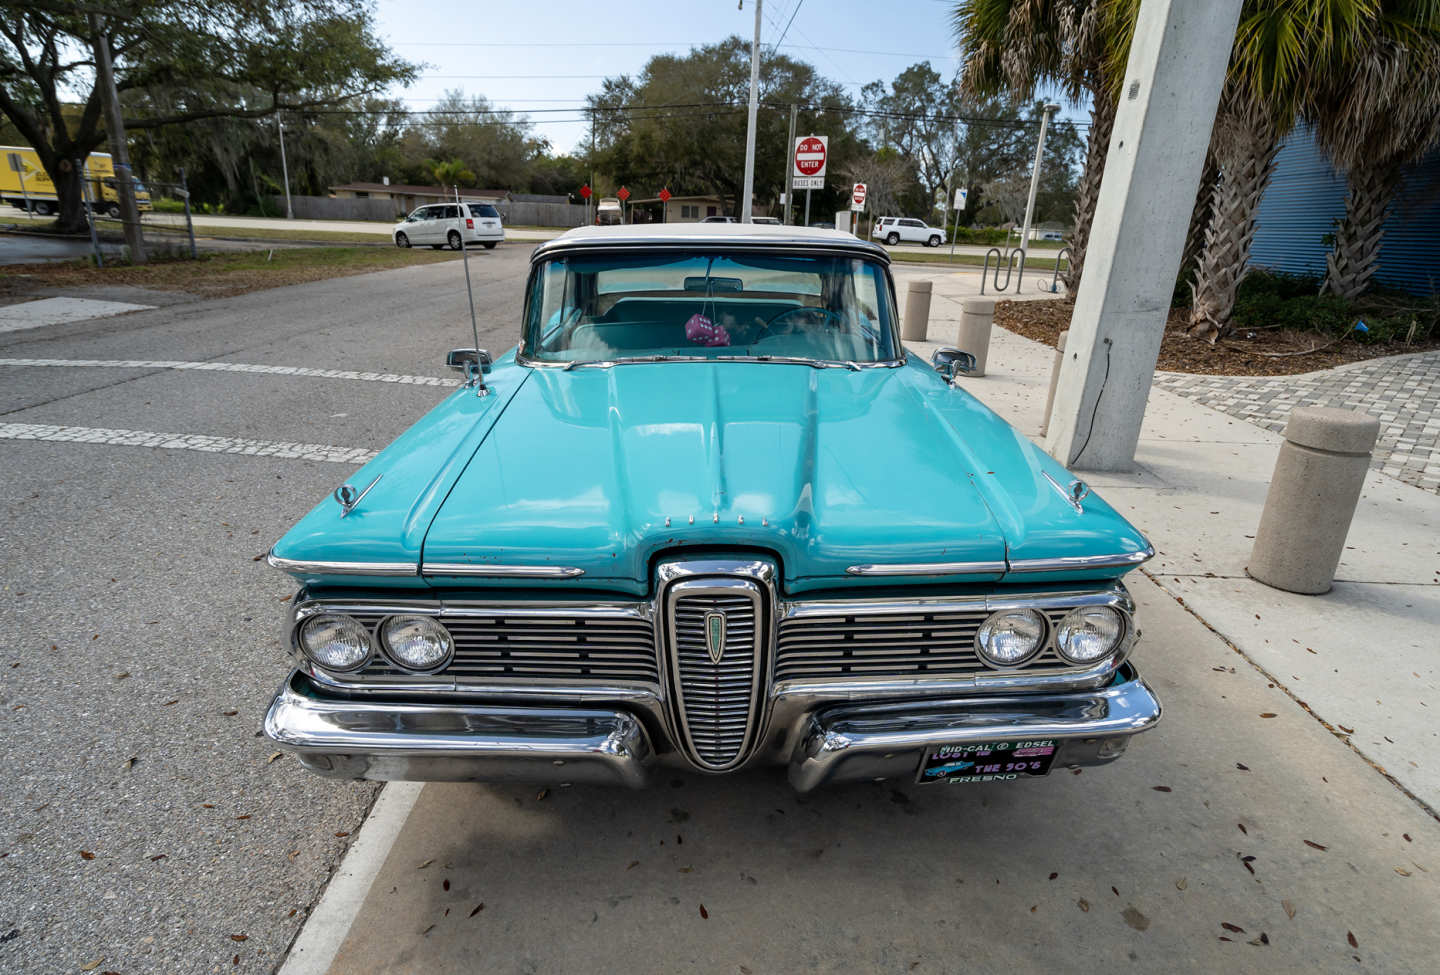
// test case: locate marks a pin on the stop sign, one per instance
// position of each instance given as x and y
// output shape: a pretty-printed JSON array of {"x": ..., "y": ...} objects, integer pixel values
[
  {"x": 665, "y": 196},
  {"x": 858, "y": 194},
  {"x": 585, "y": 191},
  {"x": 623, "y": 193},
  {"x": 809, "y": 156}
]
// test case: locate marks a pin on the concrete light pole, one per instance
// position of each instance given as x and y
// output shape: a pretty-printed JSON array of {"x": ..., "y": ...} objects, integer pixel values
[
  {"x": 1035, "y": 174},
  {"x": 284, "y": 168},
  {"x": 1157, "y": 149},
  {"x": 748, "y": 196}
]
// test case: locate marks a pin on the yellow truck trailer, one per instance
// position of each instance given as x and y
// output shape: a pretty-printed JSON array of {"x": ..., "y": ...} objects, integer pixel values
[{"x": 24, "y": 184}]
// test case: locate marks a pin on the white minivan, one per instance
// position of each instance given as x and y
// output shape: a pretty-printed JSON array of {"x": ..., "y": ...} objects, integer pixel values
[
  {"x": 441, "y": 225},
  {"x": 893, "y": 230}
]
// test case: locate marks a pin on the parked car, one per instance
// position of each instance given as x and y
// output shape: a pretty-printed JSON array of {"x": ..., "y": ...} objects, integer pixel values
[
  {"x": 608, "y": 212},
  {"x": 443, "y": 224},
  {"x": 1052, "y": 235},
  {"x": 710, "y": 514},
  {"x": 719, "y": 218},
  {"x": 893, "y": 230},
  {"x": 770, "y": 221}
]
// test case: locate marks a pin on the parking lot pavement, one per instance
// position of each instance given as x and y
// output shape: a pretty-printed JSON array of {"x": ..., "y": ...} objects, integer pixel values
[
  {"x": 144, "y": 826},
  {"x": 1191, "y": 853}
]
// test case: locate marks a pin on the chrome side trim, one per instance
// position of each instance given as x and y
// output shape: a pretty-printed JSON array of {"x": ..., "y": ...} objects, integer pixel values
[
  {"x": 301, "y": 567},
  {"x": 928, "y": 569},
  {"x": 501, "y": 571},
  {"x": 1071, "y": 563}
]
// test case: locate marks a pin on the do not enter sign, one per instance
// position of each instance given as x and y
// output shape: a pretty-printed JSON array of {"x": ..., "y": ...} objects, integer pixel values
[
  {"x": 857, "y": 197},
  {"x": 808, "y": 162}
]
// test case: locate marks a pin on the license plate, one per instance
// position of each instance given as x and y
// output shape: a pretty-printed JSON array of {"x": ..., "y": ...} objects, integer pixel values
[{"x": 988, "y": 761}]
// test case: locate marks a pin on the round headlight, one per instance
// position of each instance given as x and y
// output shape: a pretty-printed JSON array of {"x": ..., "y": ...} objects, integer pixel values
[
  {"x": 1010, "y": 636},
  {"x": 1089, "y": 633},
  {"x": 335, "y": 642},
  {"x": 416, "y": 642}
]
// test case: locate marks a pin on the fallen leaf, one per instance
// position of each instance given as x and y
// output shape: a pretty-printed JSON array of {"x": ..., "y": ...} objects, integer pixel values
[
  {"x": 1407, "y": 838},
  {"x": 1264, "y": 939},
  {"x": 1350, "y": 937},
  {"x": 246, "y": 816},
  {"x": 1162, "y": 788},
  {"x": 229, "y": 714},
  {"x": 1243, "y": 829},
  {"x": 1114, "y": 891},
  {"x": 1083, "y": 904},
  {"x": 1054, "y": 875},
  {"x": 239, "y": 937},
  {"x": 633, "y": 864},
  {"x": 427, "y": 930},
  {"x": 122, "y": 675},
  {"x": 129, "y": 762},
  {"x": 1317, "y": 846},
  {"x": 478, "y": 908},
  {"x": 1267, "y": 714},
  {"x": 86, "y": 855},
  {"x": 1233, "y": 928},
  {"x": 542, "y": 795},
  {"x": 1289, "y": 909},
  {"x": 1348, "y": 731},
  {"x": 1223, "y": 938},
  {"x": 158, "y": 857},
  {"x": 207, "y": 805},
  {"x": 1182, "y": 883},
  {"x": 1402, "y": 871},
  {"x": 175, "y": 700},
  {"x": 445, "y": 885},
  {"x": 704, "y": 913},
  {"x": 1242, "y": 766},
  {"x": 426, "y": 864},
  {"x": 342, "y": 834},
  {"x": 273, "y": 756},
  {"x": 92, "y": 966}
]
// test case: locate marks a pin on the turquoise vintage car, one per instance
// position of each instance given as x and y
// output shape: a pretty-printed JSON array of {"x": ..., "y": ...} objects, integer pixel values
[{"x": 710, "y": 514}]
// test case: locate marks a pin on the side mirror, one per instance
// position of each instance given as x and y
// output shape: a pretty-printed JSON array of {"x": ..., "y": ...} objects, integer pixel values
[
  {"x": 950, "y": 362},
  {"x": 465, "y": 360}
]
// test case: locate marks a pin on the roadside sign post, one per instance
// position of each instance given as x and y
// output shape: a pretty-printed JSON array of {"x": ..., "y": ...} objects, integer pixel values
[
  {"x": 961, "y": 196},
  {"x": 857, "y": 205},
  {"x": 585, "y": 195},
  {"x": 790, "y": 173},
  {"x": 807, "y": 166},
  {"x": 89, "y": 211},
  {"x": 624, "y": 195},
  {"x": 189, "y": 225},
  {"x": 664, "y": 204}
]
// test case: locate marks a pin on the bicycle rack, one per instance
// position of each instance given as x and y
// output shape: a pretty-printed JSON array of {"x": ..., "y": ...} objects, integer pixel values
[
  {"x": 1054, "y": 278},
  {"x": 1010, "y": 266}
]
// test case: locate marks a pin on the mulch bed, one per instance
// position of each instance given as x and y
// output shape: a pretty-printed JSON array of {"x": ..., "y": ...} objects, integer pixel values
[{"x": 1241, "y": 354}]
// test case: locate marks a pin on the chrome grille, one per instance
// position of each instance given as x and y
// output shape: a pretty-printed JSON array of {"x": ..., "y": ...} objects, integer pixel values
[
  {"x": 717, "y": 702},
  {"x": 593, "y": 643},
  {"x": 900, "y": 644}
]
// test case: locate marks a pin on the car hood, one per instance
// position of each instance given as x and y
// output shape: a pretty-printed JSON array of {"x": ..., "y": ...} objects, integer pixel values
[{"x": 602, "y": 469}]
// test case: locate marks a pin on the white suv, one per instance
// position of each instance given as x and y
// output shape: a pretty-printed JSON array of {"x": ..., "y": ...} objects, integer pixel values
[
  {"x": 441, "y": 224},
  {"x": 893, "y": 230}
]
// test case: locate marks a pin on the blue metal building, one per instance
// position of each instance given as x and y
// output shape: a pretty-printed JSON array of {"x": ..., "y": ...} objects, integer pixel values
[{"x": 1306, "y": 198}]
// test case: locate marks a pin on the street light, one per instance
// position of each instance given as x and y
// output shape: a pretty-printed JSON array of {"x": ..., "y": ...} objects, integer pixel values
[{"x": 1035, "y": 175}]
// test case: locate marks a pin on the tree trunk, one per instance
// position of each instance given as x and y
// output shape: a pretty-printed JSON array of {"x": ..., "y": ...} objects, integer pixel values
[
  {"x": 1102, "y": 122},
  {"x": 1200, "y": 216},
  {"x": 68, "y": 188},
  {"x": 1246, "y": 143},
  {"x": 1356, "y": 255}
]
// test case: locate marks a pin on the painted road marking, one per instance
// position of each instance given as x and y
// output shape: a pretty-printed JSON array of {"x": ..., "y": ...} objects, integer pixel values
[
  {"x": 53, "y": 311},
  {"x": 326, "y": 928},
  {"x": 250, "y": 367},
  {"x": 185, "y": 441}
]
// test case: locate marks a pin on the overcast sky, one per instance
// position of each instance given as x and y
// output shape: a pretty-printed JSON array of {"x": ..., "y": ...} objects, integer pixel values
[{"x": 544, "y": 56}]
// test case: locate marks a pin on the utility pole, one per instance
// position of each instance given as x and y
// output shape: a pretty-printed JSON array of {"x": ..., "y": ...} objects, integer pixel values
[
  {"x": 1157, "y": 150},
  {"x": 285, "y": 169},
  {"x": 790, "y": 166},
  {"x": 747, "y": 198},
  {"x": 124, "y": 178},
  {"x": 1035, "y": 176}
]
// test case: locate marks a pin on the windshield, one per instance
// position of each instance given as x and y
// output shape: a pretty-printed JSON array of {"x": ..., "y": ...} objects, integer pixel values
[{"x": 717, "y": 305}]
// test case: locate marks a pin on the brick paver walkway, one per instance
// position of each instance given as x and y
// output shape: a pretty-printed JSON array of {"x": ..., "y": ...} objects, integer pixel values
[{"x": 1402, "y": 391}]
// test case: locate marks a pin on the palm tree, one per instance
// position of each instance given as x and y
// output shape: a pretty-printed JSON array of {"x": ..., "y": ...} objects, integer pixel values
[
  {"x": 1373, "y": 123},
  {"x": 1016, "y": 45},
  {"x": 451, "y": 172},
  {"x": 1285, "y": 52}
]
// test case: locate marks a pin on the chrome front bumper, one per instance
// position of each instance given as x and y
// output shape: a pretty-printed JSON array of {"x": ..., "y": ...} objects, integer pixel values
[{"x": 445, "y": 741}]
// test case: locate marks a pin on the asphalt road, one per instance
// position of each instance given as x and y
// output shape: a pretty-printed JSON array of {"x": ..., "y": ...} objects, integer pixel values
[{"x": 142, "y": 821}]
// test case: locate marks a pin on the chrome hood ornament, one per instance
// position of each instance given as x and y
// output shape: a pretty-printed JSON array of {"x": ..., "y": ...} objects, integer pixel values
[
  {"x": 348, "y": 498},
  {"x": 715, "y": 636}
]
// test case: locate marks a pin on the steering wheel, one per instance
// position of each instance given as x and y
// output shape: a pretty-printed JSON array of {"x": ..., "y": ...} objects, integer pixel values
[{"x": 835, "y": 320}]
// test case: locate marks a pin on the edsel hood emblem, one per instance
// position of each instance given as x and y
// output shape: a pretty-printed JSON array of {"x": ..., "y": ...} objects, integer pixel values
[{"x": 715, "y": 636}]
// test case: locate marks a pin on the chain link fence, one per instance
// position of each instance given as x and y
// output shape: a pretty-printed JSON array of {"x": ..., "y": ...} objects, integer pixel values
[{"x": 104, "y": 207}]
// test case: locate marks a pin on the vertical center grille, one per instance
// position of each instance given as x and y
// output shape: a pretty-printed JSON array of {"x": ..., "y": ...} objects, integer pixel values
[{"x": 716, "y": 635}]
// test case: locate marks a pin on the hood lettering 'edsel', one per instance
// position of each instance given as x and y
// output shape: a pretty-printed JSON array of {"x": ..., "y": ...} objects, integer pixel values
[{"x": 710, "y": 513}]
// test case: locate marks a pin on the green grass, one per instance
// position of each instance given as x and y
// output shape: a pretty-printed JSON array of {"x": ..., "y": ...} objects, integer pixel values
[{"x": 1046, "y": 264}]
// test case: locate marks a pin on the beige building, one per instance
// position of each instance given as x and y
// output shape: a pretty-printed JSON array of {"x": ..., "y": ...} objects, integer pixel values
[{"x": 408, "y": 197}]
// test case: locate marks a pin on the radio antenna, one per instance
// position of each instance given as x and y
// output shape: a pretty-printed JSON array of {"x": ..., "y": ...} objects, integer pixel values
[{"x": 465, "y": 259}]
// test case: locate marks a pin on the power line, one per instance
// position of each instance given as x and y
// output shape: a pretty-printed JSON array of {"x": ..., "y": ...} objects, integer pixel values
[
  {"x": 674, "y": 44},
  {"x": 780, "y": 40}
]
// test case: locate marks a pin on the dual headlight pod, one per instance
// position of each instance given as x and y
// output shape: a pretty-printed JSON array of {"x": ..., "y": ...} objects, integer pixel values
[
  {"x": 341, "y": 643},
  {"x": 1010, "y": 637}
]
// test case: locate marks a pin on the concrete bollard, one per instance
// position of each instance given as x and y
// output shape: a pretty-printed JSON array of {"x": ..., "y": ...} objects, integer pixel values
[
  {"x": 1312, "y": 498},
  {"x": 1054, "y": 381},
  {"x": 917, "y": 311},
  {"x": 977, "y": 317}
]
